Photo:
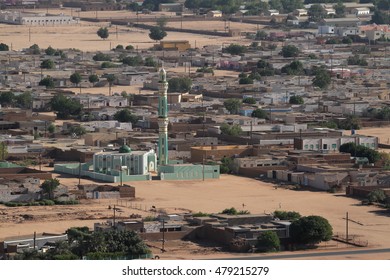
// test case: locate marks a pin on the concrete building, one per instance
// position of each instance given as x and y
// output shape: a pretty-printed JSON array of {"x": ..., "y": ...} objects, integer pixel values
[
  {"x": 38, "y": 20},
  {"x": 300, "y": 12},
  {"x": 214, "y": 14},
  {"x": 361, "y": 11},
  {"x": 334, "y": 143},
  {"x": 179, "y": 45},
  {"x": 171, "y": 7}
]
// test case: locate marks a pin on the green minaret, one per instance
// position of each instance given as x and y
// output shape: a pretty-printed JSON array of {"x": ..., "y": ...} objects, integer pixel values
[{"x": 162, "y": 119}]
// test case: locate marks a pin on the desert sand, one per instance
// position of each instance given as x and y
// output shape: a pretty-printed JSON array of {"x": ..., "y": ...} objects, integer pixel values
[
  {"x": 368, "y": 223},
  {"x": 83, "y": 37}
]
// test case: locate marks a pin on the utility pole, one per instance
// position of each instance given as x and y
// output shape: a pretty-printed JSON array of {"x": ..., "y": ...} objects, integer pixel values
[
  {"x": 346, "y": 228},
  {"x": 114, "y": 217},
  {"x": 79, "y": 171},
  {"x": 163, "y": 236}
]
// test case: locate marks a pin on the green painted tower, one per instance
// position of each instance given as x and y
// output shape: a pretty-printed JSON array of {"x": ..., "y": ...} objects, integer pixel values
[{"x": 162, "y": 119}]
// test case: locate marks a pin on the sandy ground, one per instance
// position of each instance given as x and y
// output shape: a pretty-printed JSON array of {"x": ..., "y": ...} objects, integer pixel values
[
  {"x": 83, "y": 36},
  {"x": 368, "y": 223},
  {"x": 383, "y": 133}
]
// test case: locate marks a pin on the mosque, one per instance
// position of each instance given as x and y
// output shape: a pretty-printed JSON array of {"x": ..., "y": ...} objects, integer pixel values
[{"x": 126, "y": 165}]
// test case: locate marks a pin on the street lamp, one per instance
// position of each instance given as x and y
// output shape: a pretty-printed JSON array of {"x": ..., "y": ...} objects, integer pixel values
[{"x": 123, "y": 168}]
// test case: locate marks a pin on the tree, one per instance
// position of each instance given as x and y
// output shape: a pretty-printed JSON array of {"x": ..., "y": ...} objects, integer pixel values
[
  {"x": 132, "y": 60},
  {"x": 107, "y": 64},
  {"x": 111, "y": 78},
  {"x": 7, "y": 98},
  {"x": 244, "y": 79},
  {"x": 49, "y": 186},
  {"x": 129, "y": 47},
  {"x": 350, "y": 122},
  {"x": 119, "y": 48},
  {"x": 226, "y": 165},
  {"x": 316, "y": 12},
  {"x": 268, "y": 241},
  {"x": 47, "y": 64},
  {"x": 125, "y": 116},
  {"x": 356, "y": 60},
  {"x": 48, "y": 82},
  {"x": 290, "y": 51},
  {"x": 310, "y": 230},
  {"x": 75, "y": 78},
  {"x": 101, "y": 57},
  {"x": 249, "y": 100},
  {"x": 360, "y": 151},
  {"x": 150, "y": 62},
  {"x": 34, "y": 49},
  {"x": 157, "y": 33},
  {"x": 340, "y": 9},
  {"x": 377, "y": 196},
  {"x": 322, "y": 78},
  {"x": 179, "y": 84},
  {"x": 380, "y": 17},
  {"x": 259, "y": 113},
  {"x": 50, "y": 51},
  {"x": 113, "y": 243},
  {"x": 232, "y": 130},
  {"x": 296, "y": 99},
  {"x": 347, "y": 40},
  {"x": 93, "y": 78},
  {"x": 294, "y": 68},
  {"x": 103, "y": 33},
  {"x": 162, "y": 22},
  {"x": 233, "y": 105},
  {"x": 235, "y": 49},
  {"x": 65, "y": 106},
  {"x": 51, "y": 128},
  {"x": 153, "y": 5},
  {"x": 24, "y": 100},
  {"x": 4, "y": 47},
  {"x": 261, "y": 35},
  {"x": 264, "y": 68},
  {"x": 287, "y": 215},
  {"x": 3, "y": 151},
  {"x": 133, "y": 6}
]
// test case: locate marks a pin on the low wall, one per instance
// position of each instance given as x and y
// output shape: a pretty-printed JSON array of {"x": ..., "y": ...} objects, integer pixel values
[{"x": 156, "y": 236}]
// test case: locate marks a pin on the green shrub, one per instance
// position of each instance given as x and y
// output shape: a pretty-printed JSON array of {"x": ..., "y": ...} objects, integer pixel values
[{"x": 200, "y": 214}]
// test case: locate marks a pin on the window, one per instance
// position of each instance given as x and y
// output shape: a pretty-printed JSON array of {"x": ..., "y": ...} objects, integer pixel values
[
  {"x": 373, "y": 145},
  {"x": 325, "y": 146},
  {"x": 311, "y": 147},
  {"x": 306, "y": 146},
  {"x": 317, "y": 146},
  {"x": 334, "y": 146}
]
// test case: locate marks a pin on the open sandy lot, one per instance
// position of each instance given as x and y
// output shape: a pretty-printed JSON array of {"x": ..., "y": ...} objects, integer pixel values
[
  {"x": 368, "y": 223},
  {"x": 383, "y": 133},
  {"x": 83, "y": 36}
]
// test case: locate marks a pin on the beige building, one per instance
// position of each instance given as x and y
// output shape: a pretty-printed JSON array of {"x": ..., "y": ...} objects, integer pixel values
[{"x": 179, "y": 45}]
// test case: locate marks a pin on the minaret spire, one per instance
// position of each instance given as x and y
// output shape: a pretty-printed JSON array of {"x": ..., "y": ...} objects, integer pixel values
[{"x": 162, "y": 118}]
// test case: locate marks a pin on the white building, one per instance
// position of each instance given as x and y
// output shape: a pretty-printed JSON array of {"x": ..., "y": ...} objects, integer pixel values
[
  {"x": 37, "y": 20},
  {"x": 325, "y": 29},
  {"x": 334, "y": 143},
  {"x": 361, "y": 11}
]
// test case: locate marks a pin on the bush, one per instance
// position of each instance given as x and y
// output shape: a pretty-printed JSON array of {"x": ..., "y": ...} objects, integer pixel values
[
  {"x": 200, "y": 214},
  {"x": 310, "y": 230},
  {"x": 268, "y": 242},
  {"x": 230, "y": 211},
  {"x": 287, "y": 215},
  {"x": 69, "y": 202}
]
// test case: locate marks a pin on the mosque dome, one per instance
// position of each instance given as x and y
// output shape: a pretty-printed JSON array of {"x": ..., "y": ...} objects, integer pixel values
[{"x": 124, "y": 149}]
